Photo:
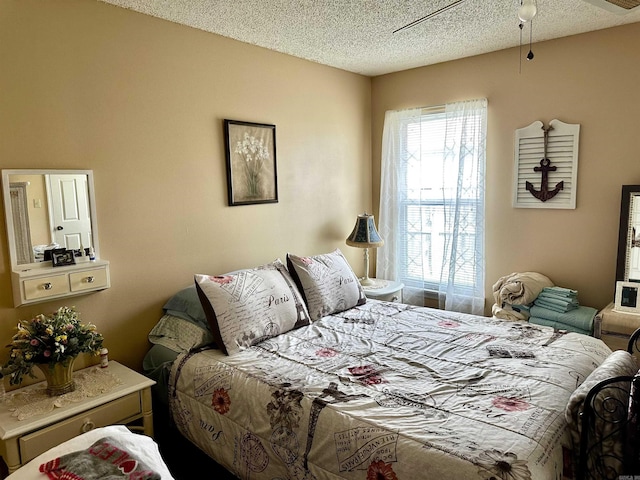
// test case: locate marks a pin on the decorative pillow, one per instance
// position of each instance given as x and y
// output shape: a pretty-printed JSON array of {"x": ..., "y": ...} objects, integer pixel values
[
  {"x": 327, "y": 283},
  {"x": 249, "y": 306},
  {"x": 618, "y": 363},
  {"x": 186, "y": 305},
  {"x": 178, "y": 334}
]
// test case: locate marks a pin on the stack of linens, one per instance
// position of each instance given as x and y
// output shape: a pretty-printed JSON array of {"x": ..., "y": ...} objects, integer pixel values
[
  {"x": 515, "y": 293},
  {"x": 559, "y": 308}
]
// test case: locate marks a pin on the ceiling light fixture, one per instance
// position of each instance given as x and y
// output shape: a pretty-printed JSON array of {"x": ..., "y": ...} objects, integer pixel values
[{"x": 526, "y": 12}]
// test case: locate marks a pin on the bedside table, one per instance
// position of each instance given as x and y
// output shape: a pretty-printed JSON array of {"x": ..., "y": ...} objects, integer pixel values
[
  {"x": 128, "y": 401},
  {"x": 387, "y": 291},
  {"x": 616, "y": 327}
]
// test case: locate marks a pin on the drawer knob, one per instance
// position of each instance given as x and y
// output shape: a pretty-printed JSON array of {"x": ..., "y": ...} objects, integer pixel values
[
  {"x": 91, "y": 279},
  {"x": 47, "y": 286},
  {"x": 87, "y": 426}
]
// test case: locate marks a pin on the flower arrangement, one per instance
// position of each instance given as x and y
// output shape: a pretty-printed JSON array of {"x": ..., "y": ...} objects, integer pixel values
[
  {"x": 255, "y": 154},
  {"x": 55, "y": 338}
]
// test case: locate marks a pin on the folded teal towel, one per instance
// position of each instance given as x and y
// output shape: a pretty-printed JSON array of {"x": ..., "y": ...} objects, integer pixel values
[
  {"x": 557, "y": 305},
  {"x": 521, "y": 308},
  {"x": 558, "y": 325},
  {"x": 560, "y": 292},
  {"x": 581, "y": 317}
]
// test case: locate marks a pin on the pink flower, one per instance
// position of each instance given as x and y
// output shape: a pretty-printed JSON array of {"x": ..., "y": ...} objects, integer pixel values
[
  {"x": 222, "y": 279},
  {"x": 510, "y": 404},
  {"x": 326, "y": 352},
  {"x": 47, "y": 353},
  {"x": 372, "y": 380},
  {"x": 34, "y": 342},
  {"x": 367, "y": 375},
  {"x": 362, "y": 370},
  {"x": 448, "y": 324}
]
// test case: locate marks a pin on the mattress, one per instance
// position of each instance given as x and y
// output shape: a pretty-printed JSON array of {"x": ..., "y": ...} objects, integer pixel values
[{"x": 391, "y": 391}]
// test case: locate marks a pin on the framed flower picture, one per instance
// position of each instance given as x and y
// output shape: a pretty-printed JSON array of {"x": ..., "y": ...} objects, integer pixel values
[{"x": 251, "y": 162}]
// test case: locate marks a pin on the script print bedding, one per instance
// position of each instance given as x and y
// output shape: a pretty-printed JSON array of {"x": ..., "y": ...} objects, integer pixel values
[{"x": 389, "y": 391}]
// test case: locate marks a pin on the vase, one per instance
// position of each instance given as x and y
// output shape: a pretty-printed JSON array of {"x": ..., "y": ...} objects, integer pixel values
[{"x": 59, "y": 376}]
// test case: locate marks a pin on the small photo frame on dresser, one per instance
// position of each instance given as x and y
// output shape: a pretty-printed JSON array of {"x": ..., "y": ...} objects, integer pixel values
[
  {"x": 627, "y": 300},
  {"x": 61, "y": 257}
]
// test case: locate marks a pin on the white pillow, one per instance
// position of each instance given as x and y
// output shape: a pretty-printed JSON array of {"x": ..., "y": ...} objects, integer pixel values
[
  {"x": 327, "y": 283},
  {"x": 619, "y": 363},
  {"x": 249, "y": 306}
]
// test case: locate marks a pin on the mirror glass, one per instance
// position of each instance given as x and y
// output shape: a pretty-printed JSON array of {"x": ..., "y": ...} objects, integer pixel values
[
  {"x": 628, "y": 268},
  {"x": 47, "y": 209}
]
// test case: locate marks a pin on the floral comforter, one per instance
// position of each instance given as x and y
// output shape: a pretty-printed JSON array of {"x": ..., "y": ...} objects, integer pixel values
[{"x": 389, "y": 391}]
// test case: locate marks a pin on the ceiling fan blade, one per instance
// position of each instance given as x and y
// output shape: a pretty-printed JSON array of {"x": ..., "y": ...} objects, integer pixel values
[{"x": 431, "y": 15}]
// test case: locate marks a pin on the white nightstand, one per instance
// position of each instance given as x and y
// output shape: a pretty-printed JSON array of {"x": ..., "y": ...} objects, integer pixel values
[
  {"x": 128, "y": 401},
  {"x": 616, "y": 327},
  {"x": 386, "y": 290}
]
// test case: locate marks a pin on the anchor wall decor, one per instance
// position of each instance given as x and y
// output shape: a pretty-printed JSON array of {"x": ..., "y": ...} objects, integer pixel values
[{"x": 546, "y": 165}]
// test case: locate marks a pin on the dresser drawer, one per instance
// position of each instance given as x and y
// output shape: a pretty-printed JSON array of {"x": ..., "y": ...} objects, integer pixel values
[
  {"x": 114, "y": 412},
  {"x": 88, "y": 279},
  {"x": 44, "y": 287}
]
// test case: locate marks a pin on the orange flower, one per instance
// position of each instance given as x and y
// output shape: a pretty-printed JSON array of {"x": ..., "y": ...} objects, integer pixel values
[
  {"x": 378, "y": 470},
  {"x": 220, "y": 401}
]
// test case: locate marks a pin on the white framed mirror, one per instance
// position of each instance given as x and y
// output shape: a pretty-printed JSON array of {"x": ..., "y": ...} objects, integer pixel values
[
  {"x": 628, "y": 265},
  {"x": 48, "y": 209},
  {"x": 51, "y": 215}
]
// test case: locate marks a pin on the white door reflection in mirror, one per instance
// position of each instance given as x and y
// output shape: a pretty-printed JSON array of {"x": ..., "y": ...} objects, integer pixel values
[{"x": 70, "y": 212}]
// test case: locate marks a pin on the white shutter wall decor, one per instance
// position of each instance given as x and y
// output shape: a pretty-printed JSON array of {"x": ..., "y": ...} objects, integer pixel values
[{"x": 555, "y": 160}]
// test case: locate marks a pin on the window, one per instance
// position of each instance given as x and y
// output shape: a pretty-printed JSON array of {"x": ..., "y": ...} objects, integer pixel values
[
  {"x": 432, "y": 203},
  {"x": 423, "y": 233}
]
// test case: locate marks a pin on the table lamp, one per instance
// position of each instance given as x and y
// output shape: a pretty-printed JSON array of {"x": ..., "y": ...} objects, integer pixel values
[{"x": 365, "y": 236}]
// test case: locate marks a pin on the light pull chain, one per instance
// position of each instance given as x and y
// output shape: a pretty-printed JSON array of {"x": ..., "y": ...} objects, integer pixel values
[
  {"x": 521, "y": 25},
  {"x": 530, "y": 54}
]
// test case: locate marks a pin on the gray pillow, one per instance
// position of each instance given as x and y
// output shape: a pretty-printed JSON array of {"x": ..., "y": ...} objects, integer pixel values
[{"x": 186, "y": 305}]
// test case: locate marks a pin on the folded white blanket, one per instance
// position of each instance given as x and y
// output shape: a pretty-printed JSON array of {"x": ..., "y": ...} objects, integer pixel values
[
  {"x": 508, "y": 313},
  {"x": 519, "y": 288},
  {"x": 140, "y": 445}
]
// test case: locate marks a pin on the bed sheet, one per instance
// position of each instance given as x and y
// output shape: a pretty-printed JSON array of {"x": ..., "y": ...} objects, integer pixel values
[{"x": 389, "y": 391}]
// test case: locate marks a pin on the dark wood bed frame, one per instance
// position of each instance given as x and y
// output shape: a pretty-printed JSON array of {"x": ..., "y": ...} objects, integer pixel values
[{"x": 610, "y": 435}]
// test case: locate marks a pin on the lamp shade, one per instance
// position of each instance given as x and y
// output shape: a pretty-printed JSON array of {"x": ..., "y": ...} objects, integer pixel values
[{"x": 364, "y": 233}]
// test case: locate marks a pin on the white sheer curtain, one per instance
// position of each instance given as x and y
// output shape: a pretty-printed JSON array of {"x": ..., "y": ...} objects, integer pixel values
[{"x": 432, "y": 204}]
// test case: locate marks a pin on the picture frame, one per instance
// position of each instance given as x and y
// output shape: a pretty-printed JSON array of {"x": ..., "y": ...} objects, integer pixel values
[
  {"x": 251, "y": 162},
  {"x": 627, "y": 299},
  {"x": 62, "y": 258}
]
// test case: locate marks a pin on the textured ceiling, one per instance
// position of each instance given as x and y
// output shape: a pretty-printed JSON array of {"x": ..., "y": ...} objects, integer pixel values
[{"x": 356, "y": 35}]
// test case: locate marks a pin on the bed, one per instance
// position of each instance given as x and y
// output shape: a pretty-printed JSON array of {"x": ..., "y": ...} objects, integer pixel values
[
  {"x": 137, "y": 446},
  {"x": 362, "y": 389}
]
